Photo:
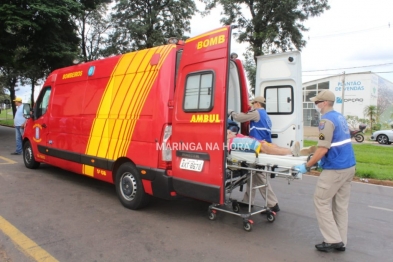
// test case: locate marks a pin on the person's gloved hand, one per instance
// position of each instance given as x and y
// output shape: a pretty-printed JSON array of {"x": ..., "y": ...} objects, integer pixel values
[{"x": 301, "y": 168}]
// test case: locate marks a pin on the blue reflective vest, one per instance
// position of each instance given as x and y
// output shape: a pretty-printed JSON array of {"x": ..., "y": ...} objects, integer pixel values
[
  {"x": 340, "y": 155},
  {"x": 262, "y": 129}
]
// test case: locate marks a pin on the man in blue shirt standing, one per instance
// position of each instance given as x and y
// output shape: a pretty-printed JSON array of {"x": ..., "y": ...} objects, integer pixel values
[
  {"x": 336, "y": 156},
  {"x": 19, "y": 123}
]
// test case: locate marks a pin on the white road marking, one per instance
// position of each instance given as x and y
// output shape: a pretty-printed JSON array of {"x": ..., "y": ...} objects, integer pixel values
[{"x": 381, "y": 208}]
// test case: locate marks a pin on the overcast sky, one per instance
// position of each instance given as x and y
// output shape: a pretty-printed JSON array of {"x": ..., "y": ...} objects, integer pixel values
[{"x": 352, "y": 35}]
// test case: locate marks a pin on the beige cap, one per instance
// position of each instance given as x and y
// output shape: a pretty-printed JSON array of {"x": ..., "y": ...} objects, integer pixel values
[
  {"x": 18, "y": 99},
  {"x": 259, "y": 99},
  {"x": 324, "y": 95}
]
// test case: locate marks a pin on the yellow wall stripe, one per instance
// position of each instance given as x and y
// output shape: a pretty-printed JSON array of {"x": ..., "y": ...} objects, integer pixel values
[
  {"x": 25, "y": 244},
  {"x": 150, "y": 79}
]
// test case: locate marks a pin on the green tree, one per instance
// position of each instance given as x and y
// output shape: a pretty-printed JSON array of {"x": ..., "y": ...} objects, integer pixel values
[
  {"x": 269, "y": 26},
  {"x": 141, "y": 24},
  {"x": 251, "y": 70},
  {"x": 371, "y": 113},
  {"x": 36, "y": 37},
  {"x": 92, "y": 25}
]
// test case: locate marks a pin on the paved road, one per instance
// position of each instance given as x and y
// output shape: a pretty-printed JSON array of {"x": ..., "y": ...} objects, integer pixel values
[{"x": 75, "y": 218}]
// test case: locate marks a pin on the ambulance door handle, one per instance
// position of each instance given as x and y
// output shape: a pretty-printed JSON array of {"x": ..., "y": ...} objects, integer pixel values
[{"x": 44, "y": 125}]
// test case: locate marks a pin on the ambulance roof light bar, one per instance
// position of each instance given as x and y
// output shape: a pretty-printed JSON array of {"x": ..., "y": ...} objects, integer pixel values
[{"x": 175, "y": 41}]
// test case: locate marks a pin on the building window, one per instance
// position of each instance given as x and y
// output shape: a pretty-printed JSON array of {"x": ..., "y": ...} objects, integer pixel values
[
  {"x": 323, "y": 85},
  {"x": 310, "y": 116}
]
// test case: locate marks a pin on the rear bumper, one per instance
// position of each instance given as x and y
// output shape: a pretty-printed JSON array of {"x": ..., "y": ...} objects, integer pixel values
[{"x": 161, "y": 183}]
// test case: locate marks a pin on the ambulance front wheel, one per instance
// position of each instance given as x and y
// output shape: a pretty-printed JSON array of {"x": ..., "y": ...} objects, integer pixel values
[
  {"x": 129, "y": 187},
  {"x": 28, "y": 156}
]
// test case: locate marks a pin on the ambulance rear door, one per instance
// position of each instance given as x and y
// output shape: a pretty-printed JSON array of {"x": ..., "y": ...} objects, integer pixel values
[
  {"x": 199, "y": 116},
  {"x": 279, "y": 80}
]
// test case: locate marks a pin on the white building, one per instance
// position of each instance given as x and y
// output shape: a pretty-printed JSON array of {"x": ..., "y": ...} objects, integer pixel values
[{"x": 360, "y": 90}]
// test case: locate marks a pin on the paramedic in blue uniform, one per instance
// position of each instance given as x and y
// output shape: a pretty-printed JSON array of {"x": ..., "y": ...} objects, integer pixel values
[
  {"x": 260, "y": 129},
  {"x": 335, "y": 152}
]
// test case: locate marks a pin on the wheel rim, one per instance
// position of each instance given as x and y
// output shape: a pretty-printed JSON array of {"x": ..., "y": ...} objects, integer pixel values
[
  {"x": 28, "y": 155},
  {"x": 128, "y": 186},
  {"x": 382, "y": 139}
]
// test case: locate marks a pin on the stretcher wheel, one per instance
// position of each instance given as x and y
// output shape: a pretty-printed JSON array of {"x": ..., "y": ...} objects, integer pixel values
[
  {"x": 270, "y": 217},
  {"x": 247, "y": 225},
  {"x": 235, "y": 207},
  {"x": 212, "y": 215}
]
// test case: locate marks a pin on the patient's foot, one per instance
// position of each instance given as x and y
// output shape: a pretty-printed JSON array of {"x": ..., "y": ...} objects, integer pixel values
[
  {"x": 308, "y": 151},
  {"x": 296, "y": 149}
]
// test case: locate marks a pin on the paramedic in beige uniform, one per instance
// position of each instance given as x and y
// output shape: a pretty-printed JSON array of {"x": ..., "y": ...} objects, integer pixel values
[
  {"x": 331, "y": 197},
  {"x": 260, "y": 129}
]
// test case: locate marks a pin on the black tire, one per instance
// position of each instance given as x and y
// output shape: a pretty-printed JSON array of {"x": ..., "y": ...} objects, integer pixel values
[
  {"x": 236, "y": 208},
  {"x": 212, "y": 215},
  {"x": 270, "y": 217},
  {"x": 28, "y": 156},
  {"x": 129, "y": 187},
  {"x": 383, "y": 139},
  {"x": 247, "y": 226},
  {"x": 359, "y": 138}
]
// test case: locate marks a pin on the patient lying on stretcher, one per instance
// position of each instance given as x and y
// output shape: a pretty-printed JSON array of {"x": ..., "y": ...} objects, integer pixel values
[{"x": 241, "y": 142}]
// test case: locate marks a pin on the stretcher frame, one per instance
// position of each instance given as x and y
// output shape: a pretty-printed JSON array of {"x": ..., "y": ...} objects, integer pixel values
[{"x": 250, "y": 164}]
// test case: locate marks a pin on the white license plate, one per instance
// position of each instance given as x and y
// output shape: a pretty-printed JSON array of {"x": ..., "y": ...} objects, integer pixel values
[{"x": 191, "y": 164}]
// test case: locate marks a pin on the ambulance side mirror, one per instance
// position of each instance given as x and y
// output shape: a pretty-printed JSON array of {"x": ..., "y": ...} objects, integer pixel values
[{"x": 26, "y": 110}]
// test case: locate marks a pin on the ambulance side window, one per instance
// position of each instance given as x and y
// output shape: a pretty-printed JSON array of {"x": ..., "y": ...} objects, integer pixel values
[
  {"x": 42, "y": 103},
  {"x": 198, "y": 94}
]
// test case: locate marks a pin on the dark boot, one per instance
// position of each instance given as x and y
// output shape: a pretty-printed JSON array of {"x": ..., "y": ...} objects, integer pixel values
[{"x": 326, "y": 247}]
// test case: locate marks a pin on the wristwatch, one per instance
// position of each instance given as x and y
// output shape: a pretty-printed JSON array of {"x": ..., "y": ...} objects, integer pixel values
[{"x": 307, "y": 168}]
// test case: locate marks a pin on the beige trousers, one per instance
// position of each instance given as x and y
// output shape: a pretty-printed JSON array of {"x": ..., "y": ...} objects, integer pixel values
[
  {"x": 260, "y": 179},
  {"x": 331, "y": 199}
]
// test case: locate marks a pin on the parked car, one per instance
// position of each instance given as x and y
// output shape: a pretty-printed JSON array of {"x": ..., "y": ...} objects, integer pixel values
[{"x": 383, "y": 136}]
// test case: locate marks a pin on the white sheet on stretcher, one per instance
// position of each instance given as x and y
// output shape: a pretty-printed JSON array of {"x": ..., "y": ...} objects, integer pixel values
[{"x": 265, "y": 159}]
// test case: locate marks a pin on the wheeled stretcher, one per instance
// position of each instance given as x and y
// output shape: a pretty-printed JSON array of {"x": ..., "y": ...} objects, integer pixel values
[{"x": 241, "y": 168}]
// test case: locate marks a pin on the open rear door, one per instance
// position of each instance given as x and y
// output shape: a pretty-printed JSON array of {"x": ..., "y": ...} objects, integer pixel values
[
  {"x": 199, "y": 117},
  {"x": 279, "y": 80}
]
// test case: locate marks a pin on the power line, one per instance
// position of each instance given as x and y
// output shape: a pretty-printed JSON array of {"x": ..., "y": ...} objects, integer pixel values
[
  {"x": 386, "y": 72},
  {"x": 347, "y": 67},
  {"x": 350, "y": 32}
]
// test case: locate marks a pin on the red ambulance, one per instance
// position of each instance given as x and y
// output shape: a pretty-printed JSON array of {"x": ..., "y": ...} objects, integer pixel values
[{"x": 153, "y": 122}]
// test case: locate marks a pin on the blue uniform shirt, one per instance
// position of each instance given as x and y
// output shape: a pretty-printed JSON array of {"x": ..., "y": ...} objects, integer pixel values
[
  {"x": 340, "y": 154},
  {"x": 262, "y": 129}
]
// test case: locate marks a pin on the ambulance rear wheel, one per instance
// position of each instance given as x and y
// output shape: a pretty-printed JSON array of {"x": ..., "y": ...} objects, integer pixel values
[
  {"x": 129, "y": 187},
  {"x": 28, "y": 156}
]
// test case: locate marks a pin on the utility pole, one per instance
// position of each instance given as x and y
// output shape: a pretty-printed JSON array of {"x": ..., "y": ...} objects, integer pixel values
[{"x": 342, "y": 94}]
